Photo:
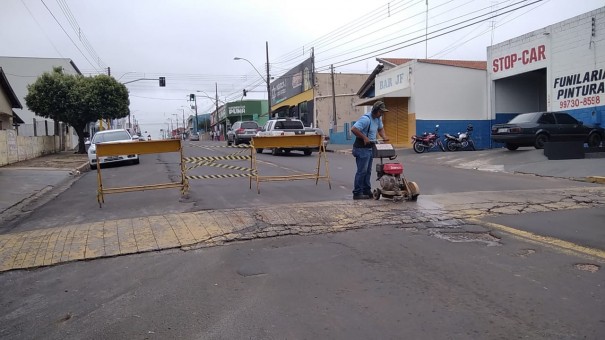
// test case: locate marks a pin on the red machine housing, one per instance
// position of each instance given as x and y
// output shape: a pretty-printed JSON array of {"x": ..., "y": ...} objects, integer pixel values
[{"x": 393, "y": 168}]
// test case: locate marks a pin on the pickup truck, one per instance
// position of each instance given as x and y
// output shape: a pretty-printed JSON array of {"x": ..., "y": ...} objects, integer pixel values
[{"x": 285, "y": 127}]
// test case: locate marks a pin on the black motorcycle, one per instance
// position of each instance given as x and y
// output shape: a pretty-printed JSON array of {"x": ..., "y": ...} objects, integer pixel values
[{"x": 461, "y": 142}]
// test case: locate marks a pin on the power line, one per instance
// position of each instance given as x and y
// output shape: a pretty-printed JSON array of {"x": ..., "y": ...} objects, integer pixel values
[
  {"x": 64, "y": 31},
  {"x": 78, "y": 30},
  {"x": 411, "y": 42}
]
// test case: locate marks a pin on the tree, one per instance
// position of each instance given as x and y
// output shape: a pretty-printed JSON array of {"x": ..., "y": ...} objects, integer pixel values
[{"x": 77, "y": 100}]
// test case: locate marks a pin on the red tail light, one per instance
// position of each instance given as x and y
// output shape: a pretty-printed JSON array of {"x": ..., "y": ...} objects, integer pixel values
[
  {"x": 515, "y": 129},
  {"x": 240, "y": 130}
]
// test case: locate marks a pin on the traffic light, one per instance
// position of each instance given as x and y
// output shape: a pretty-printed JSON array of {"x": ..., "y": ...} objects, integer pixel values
[
  {"x": 192, "y": 97},
  {"x": 162, "y": 81},
  {"x": 244, "y": 92}
]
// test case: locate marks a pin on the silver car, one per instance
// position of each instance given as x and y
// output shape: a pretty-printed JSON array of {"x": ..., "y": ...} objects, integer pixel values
[{"x": 242, "y": 132}]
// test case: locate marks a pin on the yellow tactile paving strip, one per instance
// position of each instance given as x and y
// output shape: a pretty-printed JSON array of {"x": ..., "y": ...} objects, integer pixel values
[{"x": 45, "y": 247}]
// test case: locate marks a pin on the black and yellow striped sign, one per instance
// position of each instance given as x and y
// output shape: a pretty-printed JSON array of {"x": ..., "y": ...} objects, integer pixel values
[
  {"x": 216, "y": 158},
  {"x": 221, "y": 176}
]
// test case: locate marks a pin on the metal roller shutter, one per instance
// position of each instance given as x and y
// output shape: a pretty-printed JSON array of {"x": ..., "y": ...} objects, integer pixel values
[{"x": 396, "y": 121}]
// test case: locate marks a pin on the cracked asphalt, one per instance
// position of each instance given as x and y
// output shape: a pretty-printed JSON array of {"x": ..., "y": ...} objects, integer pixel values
[{"x": 437, "y": 215}]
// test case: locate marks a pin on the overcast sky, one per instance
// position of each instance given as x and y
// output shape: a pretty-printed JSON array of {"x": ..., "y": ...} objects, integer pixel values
[{"x": 193, "y": 42}]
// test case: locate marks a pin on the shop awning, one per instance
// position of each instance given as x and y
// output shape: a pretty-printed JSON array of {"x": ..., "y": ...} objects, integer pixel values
[{"x": 395, "y": 94}]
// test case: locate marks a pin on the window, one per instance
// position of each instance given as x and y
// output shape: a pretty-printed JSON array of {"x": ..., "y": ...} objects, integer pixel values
[
  {"x": 249, "y": 125},
  {"x": 564, "y": 118},
  {"x": 547, "y": 118}
]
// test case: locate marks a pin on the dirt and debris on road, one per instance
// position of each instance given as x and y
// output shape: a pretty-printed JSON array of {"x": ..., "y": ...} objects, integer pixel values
[{"x": 61, "y": 160}]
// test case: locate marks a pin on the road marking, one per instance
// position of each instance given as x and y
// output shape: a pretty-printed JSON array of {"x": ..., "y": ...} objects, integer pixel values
[{"x": 555, "y": 242}]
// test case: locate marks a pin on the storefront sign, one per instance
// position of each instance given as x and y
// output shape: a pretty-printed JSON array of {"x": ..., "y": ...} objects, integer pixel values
[
  {"x": 524, "y": 57},
  {"x": 579, "y": 89},
  {"x": 504, "y": 61},
  {"x": 237, "y": 110},
  {"x": 392, "y": 80}
]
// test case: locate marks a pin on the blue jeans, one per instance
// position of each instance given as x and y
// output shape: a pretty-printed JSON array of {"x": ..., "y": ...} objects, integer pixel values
[{"x": 363, "y": 159}]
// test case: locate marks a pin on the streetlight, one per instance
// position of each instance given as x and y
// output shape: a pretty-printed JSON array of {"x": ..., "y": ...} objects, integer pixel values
[{"x": 267, "y": 79}]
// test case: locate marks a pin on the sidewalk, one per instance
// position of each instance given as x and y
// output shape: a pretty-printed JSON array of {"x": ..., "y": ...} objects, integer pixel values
[
  {"x": 27, "y": 182},
  {"x": 524, "y": 160}
]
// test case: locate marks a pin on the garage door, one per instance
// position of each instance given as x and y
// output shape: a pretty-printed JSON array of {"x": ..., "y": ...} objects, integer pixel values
[{"x": 396, "y": 121}]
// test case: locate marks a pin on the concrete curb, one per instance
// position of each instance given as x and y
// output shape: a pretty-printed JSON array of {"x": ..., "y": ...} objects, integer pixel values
[
  {"x": 84, "y": 167},
  {"x": 596, "y": 179}
]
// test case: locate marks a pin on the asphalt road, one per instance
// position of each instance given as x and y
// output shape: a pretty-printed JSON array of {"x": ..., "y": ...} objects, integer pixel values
[
  {"x": 78, "y": 204},
  {"x": 380, "y": 283},
  {"x": 387, "y": 282}
]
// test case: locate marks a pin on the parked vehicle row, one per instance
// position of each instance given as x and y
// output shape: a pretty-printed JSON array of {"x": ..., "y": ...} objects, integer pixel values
[{"x": 241, "y": 132}]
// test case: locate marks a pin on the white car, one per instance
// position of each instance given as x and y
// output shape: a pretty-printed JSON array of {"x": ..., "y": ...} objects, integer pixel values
[{"x": 110, "y": 136}]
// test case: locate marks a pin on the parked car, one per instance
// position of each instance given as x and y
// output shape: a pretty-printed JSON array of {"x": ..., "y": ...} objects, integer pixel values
[
  {"x": 242, "y": 132},
  {"x": 326, "y": 138},
  {"x": 537, "y": 128},
  {"x": 110, "y": 136},
  {"x": 194, "y": 137}
]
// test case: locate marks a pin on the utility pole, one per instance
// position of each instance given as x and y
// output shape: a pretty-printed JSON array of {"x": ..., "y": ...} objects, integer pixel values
[
  {"x": 196, "y": 122},
  {"x": 268, "y": 82},
  {"x": 216, "y": 101},
  {"x": 334, "y": 127},
  {"x": 426, "y": 31}
]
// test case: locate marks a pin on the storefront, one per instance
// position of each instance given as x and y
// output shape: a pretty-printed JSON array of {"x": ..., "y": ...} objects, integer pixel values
[
  {"x": 556, "y": 68},
  {"x": 255, "y": 110},
  {"x": 292, "y": 94}
]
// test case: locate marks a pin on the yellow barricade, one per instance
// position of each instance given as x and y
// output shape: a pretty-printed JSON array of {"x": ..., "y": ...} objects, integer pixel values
[
  {"x": 292, "y": 141},
  {"x": 139, "y": 148}
]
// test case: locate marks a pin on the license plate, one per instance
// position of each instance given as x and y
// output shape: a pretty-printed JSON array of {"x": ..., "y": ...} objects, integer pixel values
[{"x": 503, "y": 130}]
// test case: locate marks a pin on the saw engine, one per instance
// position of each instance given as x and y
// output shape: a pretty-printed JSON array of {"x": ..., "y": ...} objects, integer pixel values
[
  {"x": 393, "y": 183},
  {"x": 388, "y": 176}
]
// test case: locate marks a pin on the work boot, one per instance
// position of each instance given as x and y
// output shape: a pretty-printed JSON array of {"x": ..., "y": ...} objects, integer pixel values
[{"x": 361, "y": 197}]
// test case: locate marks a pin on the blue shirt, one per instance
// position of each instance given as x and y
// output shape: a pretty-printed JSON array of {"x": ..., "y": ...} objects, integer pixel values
[{"x": 366, "y": 120}]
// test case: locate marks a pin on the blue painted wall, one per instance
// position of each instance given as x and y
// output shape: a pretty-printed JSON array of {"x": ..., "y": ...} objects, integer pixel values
[
  {"x": 480, "y": 135},
  {"x": 481, "y": 128},
  {"x": 343, "y": 137}
]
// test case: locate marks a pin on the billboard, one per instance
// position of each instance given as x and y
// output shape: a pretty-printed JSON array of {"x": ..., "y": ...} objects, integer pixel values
[{"x": 298, "y": 80}]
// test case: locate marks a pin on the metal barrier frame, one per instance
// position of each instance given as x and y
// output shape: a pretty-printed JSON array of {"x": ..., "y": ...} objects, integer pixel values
[
  {"x": 291, "y": 141},
  {"x": 139, "y": 148}
]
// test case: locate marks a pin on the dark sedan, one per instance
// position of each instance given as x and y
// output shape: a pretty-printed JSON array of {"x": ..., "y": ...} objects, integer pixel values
[{"x": 538, "y": 128}]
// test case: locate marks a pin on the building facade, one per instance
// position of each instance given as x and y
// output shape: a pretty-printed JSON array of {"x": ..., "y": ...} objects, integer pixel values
[
  {"x": 320, "y": 100},
  {"x": 8, "y": 102},
  {"x": 423, "y": 93},
  {"x": 22, "y": 71},
  {"x": 557, "y": 68}
]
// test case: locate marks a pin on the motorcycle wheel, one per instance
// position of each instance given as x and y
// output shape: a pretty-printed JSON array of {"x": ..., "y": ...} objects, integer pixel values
[
  {"x": 471, "y": 144},
  {"x": 451, "y": 145},
  {"x": 418, "y": 147},
  {"x": 441, "y": 145}
]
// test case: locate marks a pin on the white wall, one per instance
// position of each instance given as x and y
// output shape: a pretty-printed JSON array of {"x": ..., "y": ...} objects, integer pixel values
[
  {"x": 22, "y": 71},
  {"x": 566, "y": 49},
  {"x": 442, "y": 92}
]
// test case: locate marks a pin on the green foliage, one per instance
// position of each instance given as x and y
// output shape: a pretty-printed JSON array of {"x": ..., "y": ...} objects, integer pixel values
[{"x": 77, "y": 100}]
